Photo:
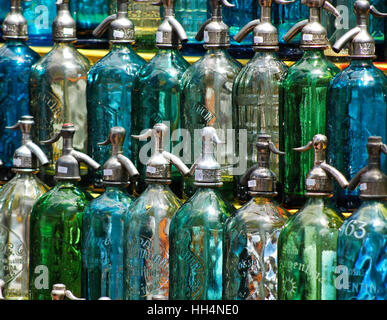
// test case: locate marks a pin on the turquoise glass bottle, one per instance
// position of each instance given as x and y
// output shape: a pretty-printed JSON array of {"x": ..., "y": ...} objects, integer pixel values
[
  {"x": 307, "y": 244},
  {"x": 56, "y": 224},
  {"x": 16, "y": 60},
  {"x": 197, "y": 232},
  {"x": 110, "y": 85},
  {"x": 356, "y": 105},
  {"x": 103, "y": 238},
  {"x": 303, "y": 100},
  {"x": 206, "y": 99},
  {"x": 256, "y": 95},
  {"x": 251, "y": 236},
  {"x": 16, "y": 200},
  {"x": 147, "y": 227},
  {"x": 157, "y": 91},
  {"x": 361, "y": 249}
]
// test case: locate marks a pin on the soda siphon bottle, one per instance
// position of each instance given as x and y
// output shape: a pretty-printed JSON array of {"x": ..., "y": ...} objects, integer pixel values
[
  {"x": 16, "y": 200},
  {"x": 303, "y": 100},
  {"x": 103, "y": 226},
  {"x": 147, "y": 227},
  {"x": 197, "y": 232},
  {"x": 361, "y": 249},
  {"x": 157, "y": 90},
  {"x": 356, "y": 104},
  {"x": 256, "y": 94},
  {"x": 58, "y": 90},
  {"x": 307, "y": 245},
  {"x": 206, "y": 98},
  {"x": 251, "y": 236},
  {"x": 56, "y": 224},
  {"x": 16, "y": 59},
  {"x": 110, "y": 87}
]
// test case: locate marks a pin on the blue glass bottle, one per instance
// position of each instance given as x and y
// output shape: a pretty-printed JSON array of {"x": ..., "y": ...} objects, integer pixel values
[
  {"x": 16, "y": 60},
  {"x": 356, "y": 105},
  {"x": 157, "y": 91},
  {"x": 110, "y": 87},
  {"x": 362, "y": 242},
  {"x": 103, "y": 238},
  {"x": 197, "y": 232}
]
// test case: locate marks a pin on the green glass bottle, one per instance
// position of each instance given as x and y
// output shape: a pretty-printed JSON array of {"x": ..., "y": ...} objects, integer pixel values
[
  {"x": 307, "y": 245},
  {"x": 56, "y": 222},
  {"x": 303, "y": 101}
]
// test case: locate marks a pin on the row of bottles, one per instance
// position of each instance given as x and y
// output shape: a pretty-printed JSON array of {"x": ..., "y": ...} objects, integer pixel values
[{"x": 154, "y": 247}]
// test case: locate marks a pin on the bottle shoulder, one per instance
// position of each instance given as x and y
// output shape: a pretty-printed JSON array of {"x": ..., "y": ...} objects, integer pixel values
[
  {"x": 109, "y": 203},
  {"x": 18, "y": 55}
]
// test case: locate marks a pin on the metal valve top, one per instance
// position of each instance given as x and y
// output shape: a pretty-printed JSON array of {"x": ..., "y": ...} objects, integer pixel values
[
  {"x": 67, "y": 166},
  {"x": 117, "y": 169},
  {"x": 260, "y": 180},
  {"x": 158, "y": 167},
  {"x": 319, "y": 180},
  {"x": 265, "y": 34},
  {"x": 26, "y": 158},
  {"x": 313, "y": 33},
  {"x": 121, "y": 28},
  {"x": 361, "y": 43},
  {"x": 15, "y": 25},
  {"x": 372, "y": 181},
  {"x": 59, "y": 292},
  {"x": 64, "y": 26}
]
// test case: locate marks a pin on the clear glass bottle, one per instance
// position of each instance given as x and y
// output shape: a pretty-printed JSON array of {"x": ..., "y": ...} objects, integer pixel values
[
  {"x": 110, "y": 85},
  {"x": 361, "y": 247},
  {"x": 303, "y": 100},
  {"x": 157, "y": 91},
  {"x": 251, "y": 236},
  {"x": 256, "y": 96},
  {"x": 103, "y": 226},
  {"x": 147, "y": 227},
  {"x": 56, "y": 224},
  {"x": 207, "y": 99},
  {"x": 307, "y": 245},
  {"x": 16, "y": 59},
  {"x": 197, "y": 231},
  {"x": 58, "y": 90},
  {"x": 16, "y": 200},
  {"x": 356, "y": 105}
]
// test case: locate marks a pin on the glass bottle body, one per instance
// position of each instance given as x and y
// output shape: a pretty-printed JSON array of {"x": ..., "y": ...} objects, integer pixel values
[
  {"x": 303, "y": 99},
  {"x": 16, "y": 200},
  {"x": 147, "y": 231},
  {"x": 207, "y": 101},
  {"x": 361, "y": 253},
  {"x": 307, "y": 255},
  {"x": 103, "y": 244},
  {"x": 157, "y": 99},
  {"x": 196, "y": 247},
  {"x": 16, "y": 60},
  {"x": 109, "y": 102},
  {"x": 58, "y": 95},
  {"x": 55, "y": 239},
  {"x": 256, "y": 110},
  {"x": 250, "y": 248}
]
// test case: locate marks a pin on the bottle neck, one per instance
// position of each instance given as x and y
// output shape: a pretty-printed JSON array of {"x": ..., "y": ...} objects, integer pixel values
[
  {"x": 121, "y": 46},
  {"x": 315, "y": 54},
  {"x": 219, "y": 51},
  {"x": 361, "y": 62},
  {"x": 15, "y": 42}
]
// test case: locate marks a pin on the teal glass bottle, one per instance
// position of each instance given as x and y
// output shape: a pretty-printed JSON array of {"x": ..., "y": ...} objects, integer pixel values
[
  {"x": 16, "y": 200},
  {"x": 147, "y": 227},
  {"x": 251, "y": 236},
  {"x": 103, "y": 238},
  {"x": 356, "y": 105},
  {"x": 197, "y": 232},
  {"x": 56, "y": 224},
  {"x": 307, "y": 244},
  {"x": 206, "y": 99},
  {"x": 303, "y": 99},
  {"x": 58, "y": 91},
  {"x": 16, "y": 60},
  {"x": 110, "y": 85},
  {"x": 256, "y": 96},
  {"x": 361, "y": 248},
  {"x": 157, "y": 91}
]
